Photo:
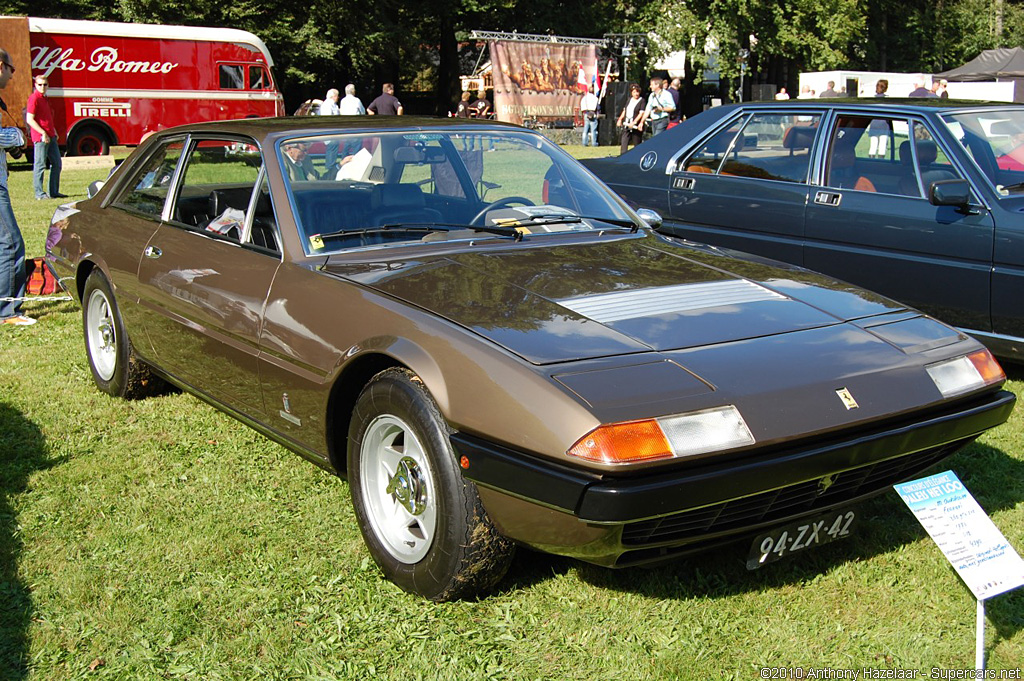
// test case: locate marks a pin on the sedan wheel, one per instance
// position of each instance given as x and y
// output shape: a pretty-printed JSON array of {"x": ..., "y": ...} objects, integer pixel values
[
  {"x": 115, "y": 368},
  {"x": 421, "y": 519}
]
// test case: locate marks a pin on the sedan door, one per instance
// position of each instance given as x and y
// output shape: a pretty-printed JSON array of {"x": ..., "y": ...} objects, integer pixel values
[
  {"x": 747, "y": 186},
  {"x": 871, "y": 223},
  {"x": 203, "y": 280}
]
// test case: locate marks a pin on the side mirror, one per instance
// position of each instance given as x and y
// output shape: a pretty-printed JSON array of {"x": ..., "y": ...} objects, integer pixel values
[
  {"x": 94, "y": 187},
  {"x": 650, "y": 217},
  {"x": 950, "y": 193}
]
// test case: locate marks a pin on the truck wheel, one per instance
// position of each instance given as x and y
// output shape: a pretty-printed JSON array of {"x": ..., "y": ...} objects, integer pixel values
[
  {"x": 420, "y": 518},
  {"x": 89, "y": 140}
]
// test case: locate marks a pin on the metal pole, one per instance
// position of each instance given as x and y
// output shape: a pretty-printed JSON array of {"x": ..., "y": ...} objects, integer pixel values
[{"x": 979, "y": 646}]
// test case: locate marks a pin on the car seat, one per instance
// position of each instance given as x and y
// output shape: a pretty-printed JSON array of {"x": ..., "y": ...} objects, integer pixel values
[{"x": 397, "y": 203}]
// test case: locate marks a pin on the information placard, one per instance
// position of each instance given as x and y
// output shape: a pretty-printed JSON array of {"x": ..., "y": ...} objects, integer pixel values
[{"x": 964, "y": 533}]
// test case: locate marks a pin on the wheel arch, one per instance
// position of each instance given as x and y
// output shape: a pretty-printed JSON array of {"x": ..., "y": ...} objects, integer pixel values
[{"x": 359, "y": 371}]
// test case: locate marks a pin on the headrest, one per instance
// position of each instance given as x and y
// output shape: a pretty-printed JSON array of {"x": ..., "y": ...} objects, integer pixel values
[
  {"x": 927, "y": 152},
  {"x": 798, "y": 137},
  {"x": 397, "y": 196}
]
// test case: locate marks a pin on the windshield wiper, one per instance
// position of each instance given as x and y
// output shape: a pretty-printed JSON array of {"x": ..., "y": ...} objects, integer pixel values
[
  {"x": 1013, "y": 187},
  {"x": 423, "y": 227},
  {"x": 554, "y": 218}
]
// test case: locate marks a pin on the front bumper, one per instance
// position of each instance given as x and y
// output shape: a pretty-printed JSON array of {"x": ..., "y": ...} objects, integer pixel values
[{"x": 652, "y": 516}]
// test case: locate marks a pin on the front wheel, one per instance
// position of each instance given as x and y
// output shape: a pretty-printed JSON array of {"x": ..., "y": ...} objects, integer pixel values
[
  {"x": 115, "y": 368},
  {"x": 421, "y": 519}
]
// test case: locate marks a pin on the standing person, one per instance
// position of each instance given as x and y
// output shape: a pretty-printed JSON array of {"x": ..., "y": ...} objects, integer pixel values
[
  {"x": 782, "y": 95},
  {"x": 386, "y": 104},
  {"x": 481, "y": 106},
  {"x": 588, "y": 109},
  {"x": 830, "y": 91},
  {"x": 659, "y": 106},
  {"x": 12, "y": 246},
  {"x": 675, "y": 117},
  {"x": 351, "y": 105},
  {"x": 939, "y": 88},
  {"x": 330, "y": 108},
  {"x": 43, "y": 130},
  {"x": 878, "y": 129},
  {"x": 631, "y": 120},
  {"x": 462, "y": 108}
]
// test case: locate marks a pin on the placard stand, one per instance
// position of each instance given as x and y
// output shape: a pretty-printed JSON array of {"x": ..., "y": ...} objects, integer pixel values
[
  {"x": 979, "y": 645},
  {"x": 968, "y": 538}
]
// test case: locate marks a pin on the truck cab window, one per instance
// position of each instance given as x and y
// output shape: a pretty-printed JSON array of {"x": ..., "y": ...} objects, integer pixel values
[
  {"x": 258, "y": 78},
  {"x": 232, "y": 77}
]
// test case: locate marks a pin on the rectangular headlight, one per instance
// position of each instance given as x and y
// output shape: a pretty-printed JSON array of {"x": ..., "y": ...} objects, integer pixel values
[
  {"x": 964, "y": 374},
  {"x": 706, "y": 431}
]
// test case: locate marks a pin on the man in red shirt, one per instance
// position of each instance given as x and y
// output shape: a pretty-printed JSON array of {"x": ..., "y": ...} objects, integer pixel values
[{"x": 44, "y": 136}]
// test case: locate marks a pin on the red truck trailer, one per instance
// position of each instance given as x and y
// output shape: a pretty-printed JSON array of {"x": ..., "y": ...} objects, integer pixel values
[{"x": 113, "y": 83}]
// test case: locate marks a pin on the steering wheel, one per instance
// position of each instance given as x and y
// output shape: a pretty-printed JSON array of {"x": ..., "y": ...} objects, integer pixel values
[{"x": 500, "y": 203}]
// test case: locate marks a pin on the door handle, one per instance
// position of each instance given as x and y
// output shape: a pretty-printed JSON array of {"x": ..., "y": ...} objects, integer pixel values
[
  {"x": 828, "y": 198},
  {"x": 152, "y": 252},
  {"x": 686, "y": 183}
]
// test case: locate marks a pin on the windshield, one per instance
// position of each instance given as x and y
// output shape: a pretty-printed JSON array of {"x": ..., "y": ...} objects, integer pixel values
[
  {"x": 994, "y": 139},
  {"x": 382, "y": 189}
]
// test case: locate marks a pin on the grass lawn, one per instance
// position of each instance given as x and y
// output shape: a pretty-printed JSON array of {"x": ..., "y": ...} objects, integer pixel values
[{"x": 162, "y": 539}]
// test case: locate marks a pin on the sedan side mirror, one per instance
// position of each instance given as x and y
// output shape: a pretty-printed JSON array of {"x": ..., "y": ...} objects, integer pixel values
[
  {"x": 94, "y": 187},
  {"x": 650, "y": 217},
  {"x": 950, "y": 193}
]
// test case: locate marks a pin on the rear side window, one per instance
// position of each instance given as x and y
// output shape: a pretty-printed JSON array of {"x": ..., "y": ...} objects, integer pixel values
[
  {"x": 232, "y": 77},
  {"x": 147, "y": 191},
  {"x": 767, "y": 146}
]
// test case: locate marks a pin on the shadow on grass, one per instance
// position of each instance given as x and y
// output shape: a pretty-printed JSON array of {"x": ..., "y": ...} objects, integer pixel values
[
  {"x": 24, "y": 452},
  {"x": 885, "y": 524}
]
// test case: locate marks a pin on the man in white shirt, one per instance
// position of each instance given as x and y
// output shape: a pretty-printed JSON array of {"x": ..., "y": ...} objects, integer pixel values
[
  {"x": 352, "y": 105},
  {"x": 659, "y": 105},
  {"x": 330, "y": 108},
  {"x": 588, "y": 109}
]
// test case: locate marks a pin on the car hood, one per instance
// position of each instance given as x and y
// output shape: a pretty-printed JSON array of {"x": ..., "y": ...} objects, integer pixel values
[{"x": 613, "y": 296}]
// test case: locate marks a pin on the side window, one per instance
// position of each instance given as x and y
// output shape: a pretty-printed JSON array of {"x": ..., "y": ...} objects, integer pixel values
[
  {"x": 709, "y": 157},
  {"x": 219, "y": 179},
  {"x": 147, "y": 191},
  {"x": 867, "y": 154},
  {"x": 258, "y": 79},
  {"x": 232, "y": 77},
  {"x": 773, "y": 147}
]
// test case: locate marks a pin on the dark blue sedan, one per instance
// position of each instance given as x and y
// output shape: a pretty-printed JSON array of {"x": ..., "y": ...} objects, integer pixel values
[{"x": 922, "y": 200}]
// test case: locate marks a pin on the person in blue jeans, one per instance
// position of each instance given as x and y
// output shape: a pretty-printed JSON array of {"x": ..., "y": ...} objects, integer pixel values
[
  {"x": 43, "y": 130},
  {"x": 588, "y": 109},
  {"x": 12, "y": 246}
]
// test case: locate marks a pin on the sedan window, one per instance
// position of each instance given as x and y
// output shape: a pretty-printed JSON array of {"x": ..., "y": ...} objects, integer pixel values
[
  {"x": 994, "y": 140},
  {"x": 882, "y": 155},
  {"x": 146, "y": 192},
  {"x": 770, "y": 146},
  {"x": 219, "y": 179}
]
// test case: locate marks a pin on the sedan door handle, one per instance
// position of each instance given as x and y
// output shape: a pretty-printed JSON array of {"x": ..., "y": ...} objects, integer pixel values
[
  {"x": 152, "y": 252},
  {"x": 828, "y": 198}
]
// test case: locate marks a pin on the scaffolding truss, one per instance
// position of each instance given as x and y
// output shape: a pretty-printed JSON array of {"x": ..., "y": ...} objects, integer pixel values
[{"x": 536, "y": 38}]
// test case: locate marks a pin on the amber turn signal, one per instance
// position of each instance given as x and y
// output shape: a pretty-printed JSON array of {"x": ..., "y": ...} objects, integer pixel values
[{"x": 624, "y": 443}]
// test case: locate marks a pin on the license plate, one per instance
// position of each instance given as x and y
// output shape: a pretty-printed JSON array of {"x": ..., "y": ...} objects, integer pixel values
[{"x": 803, "y": 534}]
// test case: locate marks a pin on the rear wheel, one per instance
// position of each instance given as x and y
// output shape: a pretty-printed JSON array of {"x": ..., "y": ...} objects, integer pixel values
[
  {"x": 115, "y": 368},
  {"x": 421, "y": 519},
  {"x": 89, "y": 140}
]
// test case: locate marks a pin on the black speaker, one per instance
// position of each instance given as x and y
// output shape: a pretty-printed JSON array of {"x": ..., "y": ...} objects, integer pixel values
[
  {"x": 615, "y": 99},
  {"x": 762, "y": 93}
]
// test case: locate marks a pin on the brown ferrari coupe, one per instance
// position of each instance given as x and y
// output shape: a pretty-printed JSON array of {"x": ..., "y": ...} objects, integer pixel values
[{"x": 495, "y": 350}]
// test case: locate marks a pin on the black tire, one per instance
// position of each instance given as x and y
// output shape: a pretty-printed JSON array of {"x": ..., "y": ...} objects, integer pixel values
[
  {"x": 89, "y": 140},
  {"x": 420, "y": 518},
  {"x": 115, "y": 368}
]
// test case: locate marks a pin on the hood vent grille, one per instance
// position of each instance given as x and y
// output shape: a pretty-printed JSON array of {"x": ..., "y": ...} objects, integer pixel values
[{"x": 653, "y": 302}]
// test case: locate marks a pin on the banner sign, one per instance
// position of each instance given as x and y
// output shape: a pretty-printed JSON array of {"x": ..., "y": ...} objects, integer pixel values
[
  {"x": 964, "y": 533},
  {"x": 544, "y": 80}
]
